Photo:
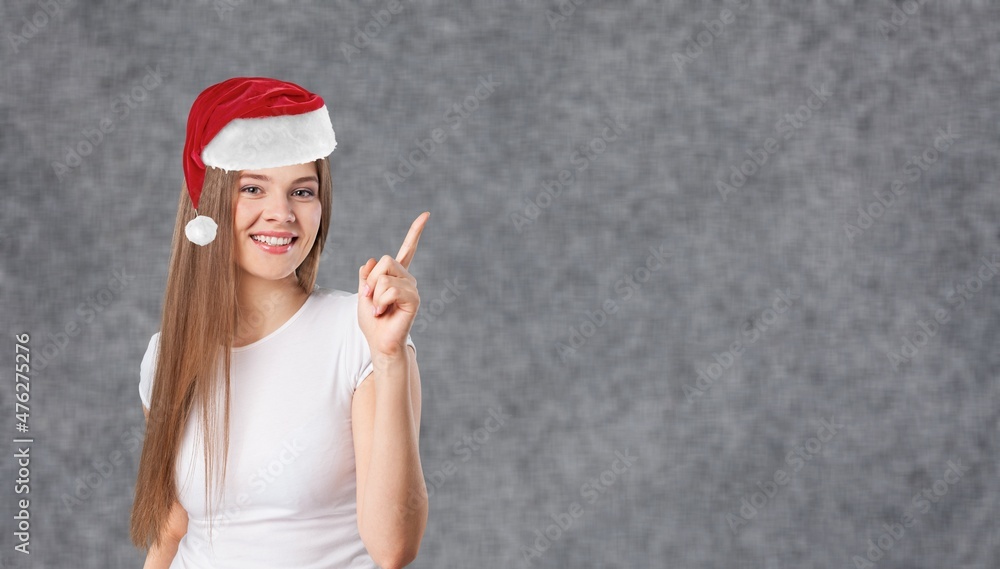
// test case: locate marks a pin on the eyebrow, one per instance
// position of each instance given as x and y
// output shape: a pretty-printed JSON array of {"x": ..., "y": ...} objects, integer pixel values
[{"x": 295, "y": 181}]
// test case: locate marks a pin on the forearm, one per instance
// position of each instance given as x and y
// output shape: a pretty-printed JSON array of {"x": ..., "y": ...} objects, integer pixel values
[
  {"x": 395, "y": 511},
  {"x": 162, "y": 555}
]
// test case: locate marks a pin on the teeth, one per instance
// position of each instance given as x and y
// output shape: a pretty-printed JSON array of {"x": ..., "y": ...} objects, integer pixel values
[{"x": 273, "y": 241}]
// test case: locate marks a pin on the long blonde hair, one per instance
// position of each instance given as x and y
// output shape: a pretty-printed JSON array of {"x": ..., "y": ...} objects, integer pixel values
[{"x": 199, "y": 321}]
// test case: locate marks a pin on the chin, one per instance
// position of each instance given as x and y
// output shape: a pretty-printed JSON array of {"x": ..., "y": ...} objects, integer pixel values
[{"x": 267, "y": 274}]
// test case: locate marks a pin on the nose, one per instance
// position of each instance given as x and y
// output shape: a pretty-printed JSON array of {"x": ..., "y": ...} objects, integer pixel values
[{"x": 279, "y": 209}]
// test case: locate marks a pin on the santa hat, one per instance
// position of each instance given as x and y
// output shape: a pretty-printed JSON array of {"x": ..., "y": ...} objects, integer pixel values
[{"x": 248, "y": 123}]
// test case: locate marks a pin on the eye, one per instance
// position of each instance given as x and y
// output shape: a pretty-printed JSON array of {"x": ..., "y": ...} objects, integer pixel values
[
  {"x": 245, "y": 188},
  {"x": 307, "y": 192}
]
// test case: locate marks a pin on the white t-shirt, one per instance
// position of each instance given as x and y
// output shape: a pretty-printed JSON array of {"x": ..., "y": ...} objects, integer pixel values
[{"x": 290, "y": 496}]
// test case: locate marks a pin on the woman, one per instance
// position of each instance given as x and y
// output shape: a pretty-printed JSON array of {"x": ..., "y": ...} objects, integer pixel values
[{"x": 310, "y": 393}]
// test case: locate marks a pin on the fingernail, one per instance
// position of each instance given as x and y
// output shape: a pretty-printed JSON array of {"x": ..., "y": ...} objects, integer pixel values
[
  {"x": 374, "y": 311},
  {"x": 367, "y": 289}
]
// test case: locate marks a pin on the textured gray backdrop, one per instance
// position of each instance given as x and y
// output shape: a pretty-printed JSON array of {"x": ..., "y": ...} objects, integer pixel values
[{"x": 887, "y": 329}]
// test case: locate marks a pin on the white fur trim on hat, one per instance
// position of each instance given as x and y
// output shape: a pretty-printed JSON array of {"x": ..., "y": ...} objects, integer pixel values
[{"x": 269, "y": 142}]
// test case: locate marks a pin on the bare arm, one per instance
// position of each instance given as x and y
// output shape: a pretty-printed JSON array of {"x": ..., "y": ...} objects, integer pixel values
[
  {"x": 160, "y": 556},
  {"x": 392, "y": 495}
]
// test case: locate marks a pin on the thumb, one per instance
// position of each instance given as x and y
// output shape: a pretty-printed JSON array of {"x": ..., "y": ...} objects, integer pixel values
[{"x": 363, "y": 273}]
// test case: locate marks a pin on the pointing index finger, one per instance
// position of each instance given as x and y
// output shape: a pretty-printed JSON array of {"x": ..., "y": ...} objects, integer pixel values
[{"x": 409, "y": 246}]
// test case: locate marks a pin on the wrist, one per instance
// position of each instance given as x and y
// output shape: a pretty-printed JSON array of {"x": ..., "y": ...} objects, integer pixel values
[
  {"x": 387, "y": 349},
  {"x": 391, "y": 358}
]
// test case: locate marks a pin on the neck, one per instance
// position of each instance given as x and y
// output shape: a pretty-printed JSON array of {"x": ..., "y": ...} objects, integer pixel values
[{"x": 264, "y": 305}]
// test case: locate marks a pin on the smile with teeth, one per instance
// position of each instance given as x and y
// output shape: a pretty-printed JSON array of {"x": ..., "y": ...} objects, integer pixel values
[{"x": 272, "y": 241}]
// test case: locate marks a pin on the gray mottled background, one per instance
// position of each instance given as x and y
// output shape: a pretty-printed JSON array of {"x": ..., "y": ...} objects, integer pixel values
[{"x": 696, "y": 494}]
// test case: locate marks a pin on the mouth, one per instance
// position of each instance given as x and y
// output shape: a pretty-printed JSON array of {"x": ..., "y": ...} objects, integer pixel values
[{"x": 274, "y": 244}]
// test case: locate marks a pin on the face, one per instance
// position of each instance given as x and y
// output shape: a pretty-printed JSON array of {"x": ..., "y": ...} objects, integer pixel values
[{"x": 277, "y": 216}]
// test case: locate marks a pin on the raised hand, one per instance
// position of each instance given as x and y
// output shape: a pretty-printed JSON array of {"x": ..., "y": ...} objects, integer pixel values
[{"x": 387, "y": 295}]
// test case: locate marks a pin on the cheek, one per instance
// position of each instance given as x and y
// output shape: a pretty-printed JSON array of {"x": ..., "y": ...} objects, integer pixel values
[
  {"x": 243, "y": 215},
  {"x": 315, "y": 216}
]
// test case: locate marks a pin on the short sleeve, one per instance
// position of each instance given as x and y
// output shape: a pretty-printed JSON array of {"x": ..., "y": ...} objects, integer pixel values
[{"x": 146, "y": 370}]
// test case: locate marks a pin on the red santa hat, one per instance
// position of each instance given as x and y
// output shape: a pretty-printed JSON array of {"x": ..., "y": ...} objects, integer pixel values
[{"x": 248, "y": 123}]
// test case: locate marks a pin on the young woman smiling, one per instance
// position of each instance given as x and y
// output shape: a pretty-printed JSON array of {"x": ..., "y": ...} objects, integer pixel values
[{"x": 310, "y": 393}]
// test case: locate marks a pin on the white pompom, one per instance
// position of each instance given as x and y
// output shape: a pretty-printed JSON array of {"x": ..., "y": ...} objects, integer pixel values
[{"x": 201, "y": 230}]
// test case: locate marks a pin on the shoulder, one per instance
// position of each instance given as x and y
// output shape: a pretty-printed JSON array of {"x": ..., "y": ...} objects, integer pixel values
[
  {"x": 152, "y": 347},
  {"x": 332, "y": 307},
  {"x": 332, "y": 320},
  {"x": 333, "y": 299},
  {"x": 147, "y": 368},
  {"x": 330, "y": 293}
]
